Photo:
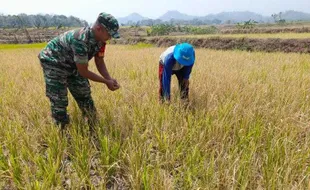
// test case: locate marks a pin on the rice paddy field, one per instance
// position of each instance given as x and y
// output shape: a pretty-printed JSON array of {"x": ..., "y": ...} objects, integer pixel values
[{"x": 247, "y": 125}]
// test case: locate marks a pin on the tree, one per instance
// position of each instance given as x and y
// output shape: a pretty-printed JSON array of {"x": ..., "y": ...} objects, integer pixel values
[
  {"x": 160, "y": 30},
  {"x": 278, "y": 18},
  {"x": 228, "y": 22},
  {"x": 2, "y": 22},
  {"x": 216, "y": 21},
  {"x": 22, "y": 24},
  {"x": 40, "y": 21},
  {"x": 37, "y": 21},
  {"x": 136, "y": 27},
  {"x": 247, "y": 24},
  {"x": 148, "y": 22}
]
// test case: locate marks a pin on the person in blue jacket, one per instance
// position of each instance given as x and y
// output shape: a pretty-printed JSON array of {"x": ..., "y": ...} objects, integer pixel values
[{"x": 178, "y": 60}]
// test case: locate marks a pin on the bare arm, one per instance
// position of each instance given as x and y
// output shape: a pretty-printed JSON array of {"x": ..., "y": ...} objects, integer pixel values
[
  {"x": 100, "y": 64},
  {"x": 83, "y": 70},
  {"x": 101, "y": 67}
]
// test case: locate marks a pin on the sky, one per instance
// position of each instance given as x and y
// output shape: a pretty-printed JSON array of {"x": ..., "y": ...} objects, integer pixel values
[{"x": 89, "y": 9}]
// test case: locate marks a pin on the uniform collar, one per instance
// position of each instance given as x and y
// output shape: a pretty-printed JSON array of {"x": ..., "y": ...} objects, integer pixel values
[{"x": 92, "y": 39}]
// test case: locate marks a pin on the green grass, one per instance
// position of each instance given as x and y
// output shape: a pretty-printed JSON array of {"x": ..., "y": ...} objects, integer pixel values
[
  {"x": 247, "y": 126},
  {"x": 263, "y": 36},
  {"x": 21, "y": 46},
  {"x": 141, "y": 45}
]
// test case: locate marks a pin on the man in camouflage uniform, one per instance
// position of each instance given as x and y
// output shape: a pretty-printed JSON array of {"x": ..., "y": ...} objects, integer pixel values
[{"x": 65, "y": 65}]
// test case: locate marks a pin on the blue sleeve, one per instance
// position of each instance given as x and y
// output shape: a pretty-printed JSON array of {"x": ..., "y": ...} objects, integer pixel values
[
  {"x": 187, "y": 70},
  {"x": 169, "y": 62}
]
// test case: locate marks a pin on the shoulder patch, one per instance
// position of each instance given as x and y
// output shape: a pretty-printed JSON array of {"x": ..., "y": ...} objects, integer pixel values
[{"x": 102, "y": 51}]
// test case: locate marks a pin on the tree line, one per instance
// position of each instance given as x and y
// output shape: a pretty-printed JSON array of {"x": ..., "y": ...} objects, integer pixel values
[
  {"x": 193, "y": 22},
  {"x": 40, "y": 21}
]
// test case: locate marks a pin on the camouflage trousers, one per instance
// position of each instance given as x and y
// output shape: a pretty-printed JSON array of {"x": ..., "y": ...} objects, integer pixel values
[{"x": 57, "y": 81}]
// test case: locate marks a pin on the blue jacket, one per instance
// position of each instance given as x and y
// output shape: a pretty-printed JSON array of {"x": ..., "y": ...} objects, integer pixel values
[{"x": 168, "y": 60}]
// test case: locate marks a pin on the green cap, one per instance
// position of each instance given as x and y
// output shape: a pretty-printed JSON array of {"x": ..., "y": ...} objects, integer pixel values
[{"x": 110, "y": 23}]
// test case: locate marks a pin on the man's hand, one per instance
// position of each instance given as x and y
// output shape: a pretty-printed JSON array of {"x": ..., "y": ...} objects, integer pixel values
[
  {"x": 112, "y": 85},
  {"x": 115, "y": 82}
]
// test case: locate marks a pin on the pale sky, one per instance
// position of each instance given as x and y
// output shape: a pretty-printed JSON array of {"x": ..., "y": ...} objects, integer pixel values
[{"x": 89, "y": 9}]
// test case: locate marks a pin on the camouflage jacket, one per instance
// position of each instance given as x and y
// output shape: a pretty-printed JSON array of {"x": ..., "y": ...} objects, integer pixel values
[{"x": 75, "y": 46}]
